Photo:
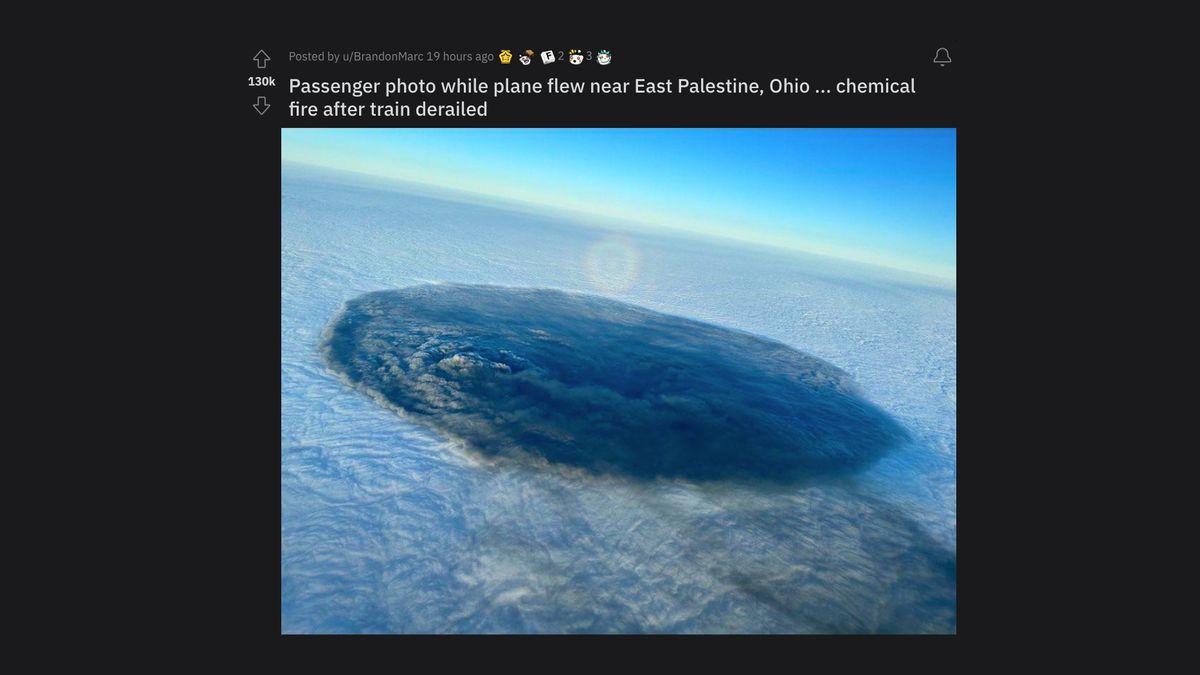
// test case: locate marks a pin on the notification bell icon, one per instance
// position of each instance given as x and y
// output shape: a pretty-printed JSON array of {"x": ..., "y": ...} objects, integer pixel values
[{"x": 942, "y": 57}]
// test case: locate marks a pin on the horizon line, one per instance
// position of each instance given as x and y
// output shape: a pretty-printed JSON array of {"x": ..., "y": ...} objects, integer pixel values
[{"x": 949, "y": 276}]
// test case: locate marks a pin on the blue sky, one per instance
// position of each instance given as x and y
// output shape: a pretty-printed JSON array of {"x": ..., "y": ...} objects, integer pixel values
[{"x": 880, "y": 196}]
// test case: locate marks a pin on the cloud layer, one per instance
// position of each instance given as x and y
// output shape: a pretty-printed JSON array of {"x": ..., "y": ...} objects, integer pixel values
[{"x": 605, "y": 386}]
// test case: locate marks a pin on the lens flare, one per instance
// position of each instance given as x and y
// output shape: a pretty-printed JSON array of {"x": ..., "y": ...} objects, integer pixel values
[{"x": 612, "y": 264}]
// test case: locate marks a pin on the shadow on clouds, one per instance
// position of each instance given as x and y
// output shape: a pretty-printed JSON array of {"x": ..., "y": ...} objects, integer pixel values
[
  {"x": 838, "y": 561},
  {"x": 605, "y": 386}
]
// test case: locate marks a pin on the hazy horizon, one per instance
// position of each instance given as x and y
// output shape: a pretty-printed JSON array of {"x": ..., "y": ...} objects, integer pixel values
[
  {"x": 884, "y": 198},
  {"x": 588, "y": 220}
]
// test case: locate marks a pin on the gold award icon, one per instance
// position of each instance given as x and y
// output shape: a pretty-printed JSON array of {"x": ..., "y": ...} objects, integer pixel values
[{"x": 505, "y": 56}]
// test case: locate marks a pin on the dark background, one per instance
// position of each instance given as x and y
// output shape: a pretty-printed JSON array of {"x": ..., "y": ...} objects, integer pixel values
[{"x": 821, "y": 63}]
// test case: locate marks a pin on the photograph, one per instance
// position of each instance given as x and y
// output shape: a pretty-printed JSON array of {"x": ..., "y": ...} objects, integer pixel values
[{"x": 647, "y": 380}]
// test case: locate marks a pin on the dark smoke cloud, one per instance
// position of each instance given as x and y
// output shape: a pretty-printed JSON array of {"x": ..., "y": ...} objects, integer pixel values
[{"x": 605, "y": 386}]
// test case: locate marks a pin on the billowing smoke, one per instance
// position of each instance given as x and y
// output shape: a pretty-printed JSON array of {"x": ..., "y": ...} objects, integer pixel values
[{"x": 605, "y": 386}]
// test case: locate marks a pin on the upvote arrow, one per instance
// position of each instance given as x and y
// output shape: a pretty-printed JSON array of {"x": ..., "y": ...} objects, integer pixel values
[
  {"x": 262, "y": 105},
  {"x": 261, "y": 59}
]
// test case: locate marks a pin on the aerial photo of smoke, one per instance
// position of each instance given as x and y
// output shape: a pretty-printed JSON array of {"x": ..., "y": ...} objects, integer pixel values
[
  {"x": 676, "y": 402},
  {"x": 603, "y": 385}
]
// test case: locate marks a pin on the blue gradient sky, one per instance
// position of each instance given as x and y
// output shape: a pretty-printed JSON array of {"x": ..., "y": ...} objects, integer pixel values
[{"x": 880, "y": 196}]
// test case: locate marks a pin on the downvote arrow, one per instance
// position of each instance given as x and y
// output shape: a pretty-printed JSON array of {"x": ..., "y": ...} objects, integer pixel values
[
  {"x": 261, "y": 59},
  {"x": 262, "y": 105}
]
